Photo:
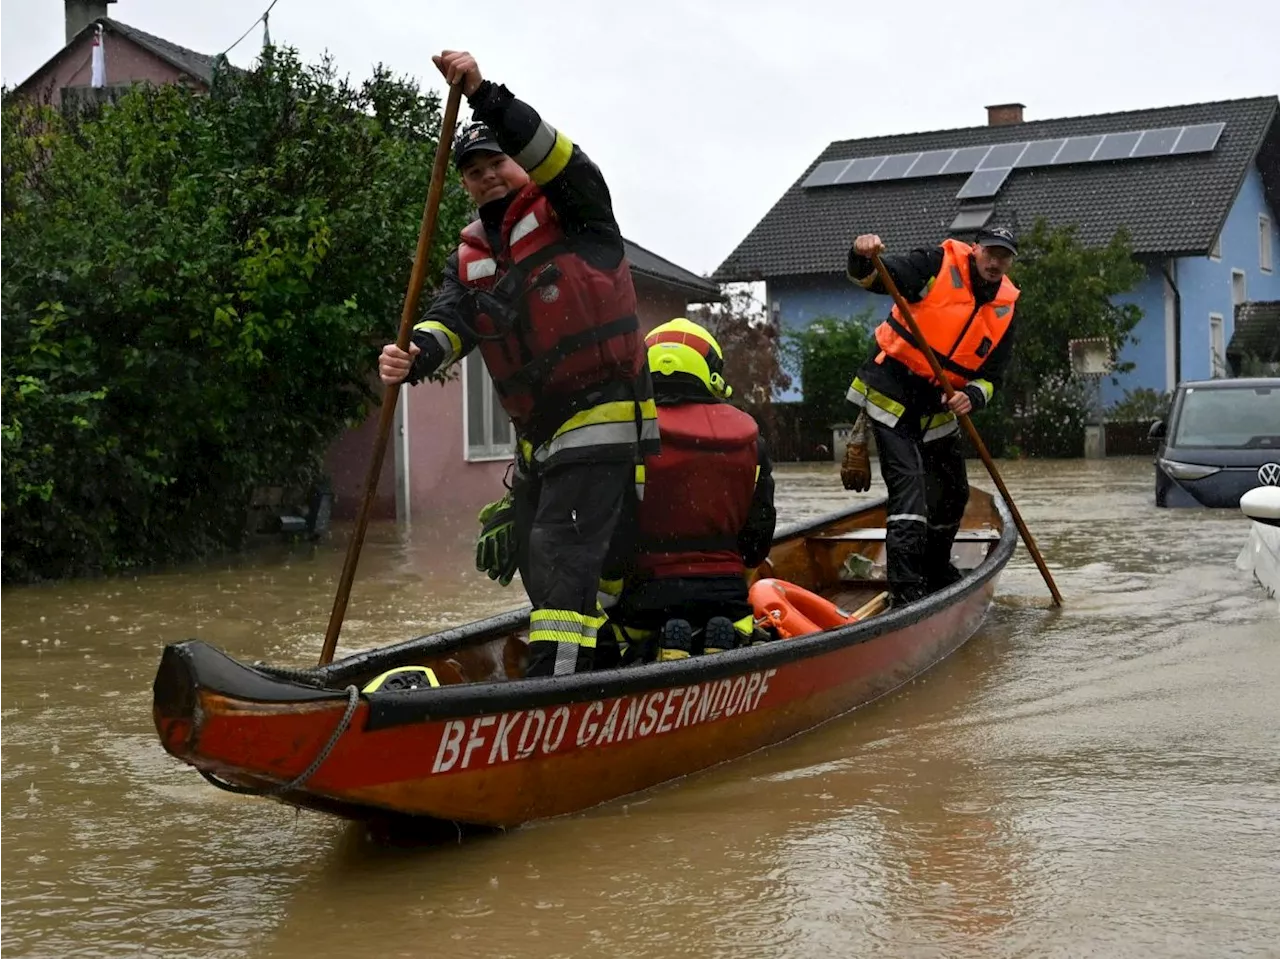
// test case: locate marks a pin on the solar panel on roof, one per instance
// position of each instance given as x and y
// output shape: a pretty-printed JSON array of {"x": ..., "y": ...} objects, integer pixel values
[
  {"x": 965, "y": 160},
  {"x": 1156, "y": 143},
  {"x": 1039, "y": 153},
  {"x": 824, "y": 174},
  {"x": 1077, "y": 150},
  {"x": 1198, "y": 139},
  {"x": 895, "y": 166},
  {"x": 972, "y": 217},
  {"x": 983, "y": 183},
  {"x": 930, "y": 164},
  {"x": 1117, "y": 146},
  {"x": 860, "y": 170},
  {"x": 1002, "y": 156}
]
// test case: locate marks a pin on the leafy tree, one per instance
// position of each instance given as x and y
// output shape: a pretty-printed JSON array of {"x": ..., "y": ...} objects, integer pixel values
[
  {"x": 194, "y": 291},
  {"x": 751, "y": 344},
  {"x": 1142, "y": 405},
  {"x": 1067, "y": 294},
  {"x": 827, "y": 353}
]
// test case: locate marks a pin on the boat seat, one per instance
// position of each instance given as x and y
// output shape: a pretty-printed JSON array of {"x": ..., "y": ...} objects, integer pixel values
[{"x": 877, "y": 534}]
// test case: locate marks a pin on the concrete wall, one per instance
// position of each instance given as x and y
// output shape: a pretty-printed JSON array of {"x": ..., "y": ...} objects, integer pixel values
[{"x": 656, "y": 303}]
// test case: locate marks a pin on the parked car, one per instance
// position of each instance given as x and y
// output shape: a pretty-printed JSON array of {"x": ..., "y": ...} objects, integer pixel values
[{"x": 1222, "y": 440}]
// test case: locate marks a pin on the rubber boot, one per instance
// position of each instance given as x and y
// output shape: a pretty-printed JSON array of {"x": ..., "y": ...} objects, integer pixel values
[
  {"x": 719, "y": 635},
  {"x": 676, "y": 641}
]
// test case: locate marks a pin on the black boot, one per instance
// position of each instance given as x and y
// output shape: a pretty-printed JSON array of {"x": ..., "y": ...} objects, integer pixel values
[
  {"x": 908, "y": 593},
  {"x": 944, "y": 577},
  {"x": 676, "y": 641},
  {"x": 719, "y": 635}
]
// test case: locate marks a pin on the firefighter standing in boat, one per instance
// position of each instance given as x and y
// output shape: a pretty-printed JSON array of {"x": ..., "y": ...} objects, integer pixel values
[
  {"x": 707, "y": 515},
  {"x": 540, "y": 285},
  {"x": 963, "y": 302}
]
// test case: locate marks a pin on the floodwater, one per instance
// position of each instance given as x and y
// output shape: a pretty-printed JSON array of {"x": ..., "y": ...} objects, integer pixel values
[{"x": 1099, "y": 781}]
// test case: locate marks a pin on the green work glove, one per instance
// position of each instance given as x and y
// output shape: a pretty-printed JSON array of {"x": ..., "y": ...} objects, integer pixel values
[{"x": 496, "y": 547}]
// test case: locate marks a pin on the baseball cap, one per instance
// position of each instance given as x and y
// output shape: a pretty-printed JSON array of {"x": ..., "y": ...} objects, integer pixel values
[
  {"x": 998, "y": 236},
  {"x": 475, "y": 138}
]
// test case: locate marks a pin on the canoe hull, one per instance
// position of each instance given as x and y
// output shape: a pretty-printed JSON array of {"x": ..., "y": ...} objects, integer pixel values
[{"x": 507, "y": 767}]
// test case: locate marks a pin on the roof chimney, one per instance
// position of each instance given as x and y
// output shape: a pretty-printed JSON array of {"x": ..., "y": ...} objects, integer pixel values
[
  {"x": 1005, "y": 114},
  {"x": 81, "y": 13}
]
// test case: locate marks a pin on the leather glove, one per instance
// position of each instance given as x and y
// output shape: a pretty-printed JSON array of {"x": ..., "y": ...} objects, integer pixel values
[
  {"x": 855, "y": 471},
  {"x": 496, "y": 545}
]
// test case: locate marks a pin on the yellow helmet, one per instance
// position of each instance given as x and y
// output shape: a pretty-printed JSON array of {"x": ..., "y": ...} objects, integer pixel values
[{"x": 680, "y": 347}]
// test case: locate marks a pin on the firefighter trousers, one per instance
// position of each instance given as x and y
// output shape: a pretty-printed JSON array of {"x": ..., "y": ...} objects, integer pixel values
[
  {"x": 567, "y": 519},
  {"x": 928, "y": 491}
]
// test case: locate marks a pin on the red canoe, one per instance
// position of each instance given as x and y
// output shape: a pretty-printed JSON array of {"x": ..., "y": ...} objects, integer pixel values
[{"x": 490, "y": 748}]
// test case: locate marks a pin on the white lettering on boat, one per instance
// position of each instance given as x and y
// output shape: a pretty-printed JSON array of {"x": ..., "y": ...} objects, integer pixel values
[{"x": 495, "y": 739}]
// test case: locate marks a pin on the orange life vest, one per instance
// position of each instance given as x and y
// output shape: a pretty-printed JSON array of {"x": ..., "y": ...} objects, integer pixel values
[
  {"x": 961, "y": 333},
  {"x": 698, "y": 492},
  {"x": 549, "y": 323}
]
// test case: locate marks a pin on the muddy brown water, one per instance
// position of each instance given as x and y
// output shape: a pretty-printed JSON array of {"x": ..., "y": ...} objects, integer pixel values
[{"x": 1100, "y": 781}]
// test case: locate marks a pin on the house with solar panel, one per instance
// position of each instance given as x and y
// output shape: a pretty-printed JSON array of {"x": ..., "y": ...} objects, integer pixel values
[{"x": 1197, "y": 187}]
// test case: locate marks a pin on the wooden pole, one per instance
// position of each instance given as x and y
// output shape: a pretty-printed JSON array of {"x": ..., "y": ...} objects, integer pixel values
[
  {"x": 969, "y": 428},
  {"x": 430, "y": 214}
]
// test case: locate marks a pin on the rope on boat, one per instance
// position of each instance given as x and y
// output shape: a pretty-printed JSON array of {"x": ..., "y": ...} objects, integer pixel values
[
  {"x": 353, "y": 701},
  {"x": 308, "y": 676}
]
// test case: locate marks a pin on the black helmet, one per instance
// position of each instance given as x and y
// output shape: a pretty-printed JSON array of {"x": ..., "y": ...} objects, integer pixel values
[{"x": 474, "y": 138}]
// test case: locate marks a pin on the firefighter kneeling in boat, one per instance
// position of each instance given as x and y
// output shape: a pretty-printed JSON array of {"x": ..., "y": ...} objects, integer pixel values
[
  {"x": 541, "y": 286},
  {"x": 964, "y": 307},
  {"x": 707, "y": 515}
]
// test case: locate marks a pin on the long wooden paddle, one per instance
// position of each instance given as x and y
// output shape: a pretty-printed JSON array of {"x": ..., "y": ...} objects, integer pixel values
[
  {"x": 430, "y": 214},
  {"x": 967, "y": 423}
]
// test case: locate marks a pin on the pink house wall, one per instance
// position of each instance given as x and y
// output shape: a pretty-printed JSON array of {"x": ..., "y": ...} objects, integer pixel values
[
  {"x": 126, "y": 62},
  {"x": 444, "y": 487}
]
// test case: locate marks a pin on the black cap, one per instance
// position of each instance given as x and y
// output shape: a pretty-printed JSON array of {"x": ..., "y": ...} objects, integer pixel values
[
  {"x": 998, "y": 236},
  {"x": 475, "y": 138}
]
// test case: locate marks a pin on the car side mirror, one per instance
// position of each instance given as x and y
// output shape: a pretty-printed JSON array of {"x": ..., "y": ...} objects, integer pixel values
[
  {"x": 1262, "y": 505},
  {"x": 1157, "y": 430}
]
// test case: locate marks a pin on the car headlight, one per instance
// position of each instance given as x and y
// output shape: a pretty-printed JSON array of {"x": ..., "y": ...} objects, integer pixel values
[{"x": 1187, "y": 471}]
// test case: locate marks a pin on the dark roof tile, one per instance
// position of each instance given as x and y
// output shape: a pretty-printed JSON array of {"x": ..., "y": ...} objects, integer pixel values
[
  {"x": 197, "y": 65},
  {"x": 647, "y": 263},
  {"x": 1171, "y": 205}
]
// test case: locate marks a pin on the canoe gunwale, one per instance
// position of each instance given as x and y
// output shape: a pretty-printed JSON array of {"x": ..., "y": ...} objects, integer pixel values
[
  {"x": 211, "y": 670},
  {"x": 452, "y": 702}
]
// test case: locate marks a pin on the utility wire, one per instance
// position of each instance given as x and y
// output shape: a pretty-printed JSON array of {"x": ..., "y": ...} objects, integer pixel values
[{"x": 251, "y": 26}]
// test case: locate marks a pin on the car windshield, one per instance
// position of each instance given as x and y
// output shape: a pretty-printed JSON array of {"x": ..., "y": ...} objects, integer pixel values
[{"x": 1229, "y": 418}]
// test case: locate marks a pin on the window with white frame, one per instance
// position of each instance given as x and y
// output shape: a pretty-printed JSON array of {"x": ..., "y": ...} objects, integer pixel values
[
  {"x": 1264, "y": 242},
  {"x": 1215, "y": 252},
  {"x": 486, "y": 429},
  {"x": 1217, "y": 347},
  {"x": 1238, "y": 291}
]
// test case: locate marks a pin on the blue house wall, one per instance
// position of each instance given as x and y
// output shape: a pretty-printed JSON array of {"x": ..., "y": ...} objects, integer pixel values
[{"x": 1205, "y": 285}]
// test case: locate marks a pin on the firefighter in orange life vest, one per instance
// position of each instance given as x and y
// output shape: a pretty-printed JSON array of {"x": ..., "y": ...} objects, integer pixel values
[
  {"x": 707, "y": 514},
  {"x": 964, "y": 304},
  {"x": 540, "y": 285}
]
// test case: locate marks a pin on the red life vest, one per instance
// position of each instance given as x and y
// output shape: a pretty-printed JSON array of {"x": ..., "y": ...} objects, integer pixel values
[
  {"x": 961, "y": 334},
  {"x": 698, "y": 492},
  {"x": 549, "y": 323}
]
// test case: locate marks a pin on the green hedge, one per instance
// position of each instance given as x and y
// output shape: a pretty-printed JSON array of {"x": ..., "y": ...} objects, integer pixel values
[{"x": 195, "y": 289}]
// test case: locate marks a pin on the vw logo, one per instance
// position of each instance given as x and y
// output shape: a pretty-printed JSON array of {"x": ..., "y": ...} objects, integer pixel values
[{"x": 1269, "y": 474}]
